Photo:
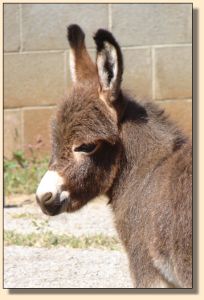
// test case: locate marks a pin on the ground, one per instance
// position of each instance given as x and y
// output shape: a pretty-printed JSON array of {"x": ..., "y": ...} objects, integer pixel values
[{"x": 79, "y": 250}]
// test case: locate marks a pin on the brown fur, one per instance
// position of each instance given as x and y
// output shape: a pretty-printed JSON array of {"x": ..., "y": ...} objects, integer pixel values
[
  {"x": 85, "y": 69},
  {"x": 143, "y": 164}
]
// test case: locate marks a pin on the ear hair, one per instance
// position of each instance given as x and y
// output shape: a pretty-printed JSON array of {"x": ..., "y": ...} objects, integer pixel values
[{"x": 109, "y": 63}]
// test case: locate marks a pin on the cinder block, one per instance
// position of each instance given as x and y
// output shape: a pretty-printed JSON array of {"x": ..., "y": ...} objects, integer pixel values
[
  {"x": 12, "y": 132},
  {"x": 152, "y": 24},
  {"x": 180, "y": 112},
  {"x": 36, "y": 124},
  {"x": 33, "y": 79},
  {"x": 11, "y": 27},
  {"x": 44, "y": 25},
  {"x": 173, "y": 72},
  {"x": 137, "y": 72}
]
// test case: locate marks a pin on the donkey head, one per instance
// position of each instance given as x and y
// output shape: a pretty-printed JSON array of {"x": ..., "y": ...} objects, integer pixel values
[{"x": 85, "y": 132}]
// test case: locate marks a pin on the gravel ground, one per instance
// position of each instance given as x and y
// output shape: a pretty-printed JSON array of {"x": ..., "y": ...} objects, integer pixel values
[
  {"x": 94, "y": 218},
  {"x": 29, "y": 267}
]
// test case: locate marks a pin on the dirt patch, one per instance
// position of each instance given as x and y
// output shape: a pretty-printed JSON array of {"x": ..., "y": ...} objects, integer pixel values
[
  {"x": 64, "y": 268},
  {"x": 57, "y": 266}
]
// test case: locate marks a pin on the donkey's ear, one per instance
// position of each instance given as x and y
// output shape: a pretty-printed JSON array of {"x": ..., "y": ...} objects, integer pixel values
[
  {"x": 110, "y": 65},
  {"x": 81, "y": 65}
]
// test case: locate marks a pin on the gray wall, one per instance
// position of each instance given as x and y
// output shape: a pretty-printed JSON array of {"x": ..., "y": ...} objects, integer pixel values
[{"x": 156, "y": 40}]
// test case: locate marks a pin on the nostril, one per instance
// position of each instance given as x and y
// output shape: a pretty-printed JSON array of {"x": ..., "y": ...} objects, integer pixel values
[{"x": 46, "y": 198}]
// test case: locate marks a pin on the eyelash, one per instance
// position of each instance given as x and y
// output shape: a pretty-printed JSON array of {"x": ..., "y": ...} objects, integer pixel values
[{"x": 86, "y": 148}]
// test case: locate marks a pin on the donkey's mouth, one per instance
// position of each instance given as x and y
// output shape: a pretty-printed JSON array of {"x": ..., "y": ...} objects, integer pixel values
[{"x": 55, "y": 206}]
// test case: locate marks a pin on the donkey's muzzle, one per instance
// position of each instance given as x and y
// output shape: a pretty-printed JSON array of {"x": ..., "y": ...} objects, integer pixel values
[
  {"x": 49, "y": 194},
  {"x": 49, "y": 205}
]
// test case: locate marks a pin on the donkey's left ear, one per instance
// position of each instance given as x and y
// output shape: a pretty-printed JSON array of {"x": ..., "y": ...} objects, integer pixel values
[
  {"x": 109, "y": 64},
  {"x": 81, "y": 66}
]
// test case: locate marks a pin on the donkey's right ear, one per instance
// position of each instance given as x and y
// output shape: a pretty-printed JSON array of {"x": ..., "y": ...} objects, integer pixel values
[
  {"x": 81, "y": 65},
  {"x": 109, "y": 64}
]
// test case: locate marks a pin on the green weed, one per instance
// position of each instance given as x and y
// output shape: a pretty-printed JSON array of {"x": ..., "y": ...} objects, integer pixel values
[
  {"x": 24, "y": 216},
  {"x": 49, "y": 240},
  {"x": 22, "y": 175}
]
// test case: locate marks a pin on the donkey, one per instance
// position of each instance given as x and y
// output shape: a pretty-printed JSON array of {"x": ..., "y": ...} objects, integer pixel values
[{"x": 106, "y": 143}]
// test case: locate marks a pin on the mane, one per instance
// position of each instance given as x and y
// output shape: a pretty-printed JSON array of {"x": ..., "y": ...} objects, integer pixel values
[{"x": 149, "y": 113}]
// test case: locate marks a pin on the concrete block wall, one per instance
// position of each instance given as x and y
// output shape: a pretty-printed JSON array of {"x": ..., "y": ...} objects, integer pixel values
[{"x": 156, "y": 40}]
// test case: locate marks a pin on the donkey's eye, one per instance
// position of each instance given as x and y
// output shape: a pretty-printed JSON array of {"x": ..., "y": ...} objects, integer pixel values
[{"x": 86, "y": 148}]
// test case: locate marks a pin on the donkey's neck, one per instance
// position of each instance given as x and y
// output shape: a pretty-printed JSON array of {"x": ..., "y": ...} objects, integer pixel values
[{"x": 148, "y": 138}]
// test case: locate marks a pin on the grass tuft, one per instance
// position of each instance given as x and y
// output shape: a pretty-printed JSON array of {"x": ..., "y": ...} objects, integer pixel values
[
  {"x": 24, "y": 216},
  {"x": 49, "y": 239}
]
